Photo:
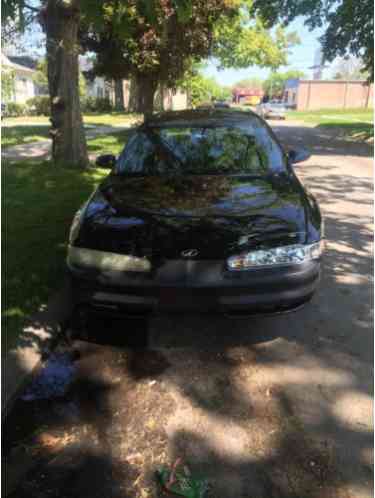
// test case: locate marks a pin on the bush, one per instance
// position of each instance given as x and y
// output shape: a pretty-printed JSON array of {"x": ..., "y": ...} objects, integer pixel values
[
  {"x": 87, "y": 104},
  {"x": 92, "y": 104},
  {"x": 39, "y": 106},
  {"x": 15, "y": 109}
]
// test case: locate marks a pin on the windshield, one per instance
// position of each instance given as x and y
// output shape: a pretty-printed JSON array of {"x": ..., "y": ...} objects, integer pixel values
[{"x": 199, "y": 150}]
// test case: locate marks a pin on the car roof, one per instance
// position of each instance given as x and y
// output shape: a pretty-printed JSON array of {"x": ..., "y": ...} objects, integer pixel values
[{"x": 192, "y": 116}]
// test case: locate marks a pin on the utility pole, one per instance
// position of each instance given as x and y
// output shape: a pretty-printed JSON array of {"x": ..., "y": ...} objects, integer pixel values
[{"x": 271, "y": 87}]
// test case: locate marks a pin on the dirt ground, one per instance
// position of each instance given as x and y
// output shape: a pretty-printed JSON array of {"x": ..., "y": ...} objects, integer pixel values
[{"x": 262, "y": 408}]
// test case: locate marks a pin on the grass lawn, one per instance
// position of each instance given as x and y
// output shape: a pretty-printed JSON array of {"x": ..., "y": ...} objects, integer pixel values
[
  {"x": 111, "y": 144},
  {"x": 22, "y": 130},
  {"x": 111, "y": 119},
  {"x": 39, "y": 202},
  {"x": 356, "y": 124},
  {"x": 22, "y": 134}
]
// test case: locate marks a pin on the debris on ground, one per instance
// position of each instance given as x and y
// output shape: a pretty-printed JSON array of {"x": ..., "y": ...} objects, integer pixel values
[
  {"x": 54, "y": 443},
  {"x": 179, "y": 481}
]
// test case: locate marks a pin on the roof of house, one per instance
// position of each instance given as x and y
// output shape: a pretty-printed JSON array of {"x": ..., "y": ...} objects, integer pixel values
[
  {"x": 7, "y": 63},
  {"x": 24, "y": 60}
]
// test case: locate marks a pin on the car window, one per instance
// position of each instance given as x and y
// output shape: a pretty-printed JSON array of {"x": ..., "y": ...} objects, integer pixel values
[{"x": 201, "y": 150}]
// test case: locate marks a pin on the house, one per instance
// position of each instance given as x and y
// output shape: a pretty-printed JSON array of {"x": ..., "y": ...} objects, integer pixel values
[
  {"x": 98, "y": 87},
  {"x": 325, "y": 94},
  {"x": 174, "y": 100},
  {"x": 23, "y": 84}
]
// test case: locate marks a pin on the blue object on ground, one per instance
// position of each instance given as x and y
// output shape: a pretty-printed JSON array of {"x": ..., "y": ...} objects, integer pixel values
[{"x": 53, "y": 379}]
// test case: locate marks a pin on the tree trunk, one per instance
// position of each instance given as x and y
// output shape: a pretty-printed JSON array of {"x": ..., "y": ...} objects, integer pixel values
[
  {"x": 133, "y": 95},
  {"x": 159, "y": 98},
  {"x": 146, "y": 88},
  {"x": 119, "y": 95},
  {"x": 61, "y": 21}
]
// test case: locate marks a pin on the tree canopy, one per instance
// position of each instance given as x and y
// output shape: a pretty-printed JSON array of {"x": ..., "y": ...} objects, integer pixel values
[
  {"x": 158, "y": 41},
  {"x": 349, "y": 24},
  {"x": 244, "y": 41},
  {"x": 202, "y": 89}
]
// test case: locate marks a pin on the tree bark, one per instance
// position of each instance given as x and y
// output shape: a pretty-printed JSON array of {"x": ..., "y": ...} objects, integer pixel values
[
  {"x": 119, "y": 95},
  {"x": 146, "y": 88},
  {"x": 61, "y": 21},
  {"x": 133, "y": 95}
]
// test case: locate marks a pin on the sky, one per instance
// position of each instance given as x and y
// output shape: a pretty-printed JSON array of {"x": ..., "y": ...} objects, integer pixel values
[{"x": 301, "y": 57}]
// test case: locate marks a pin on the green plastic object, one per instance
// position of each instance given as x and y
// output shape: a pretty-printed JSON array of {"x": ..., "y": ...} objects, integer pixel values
[{"x": 179, "y": 481}]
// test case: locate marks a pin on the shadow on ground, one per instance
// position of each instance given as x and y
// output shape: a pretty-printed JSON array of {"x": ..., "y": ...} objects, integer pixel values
[{"x": 322, "y": 140}]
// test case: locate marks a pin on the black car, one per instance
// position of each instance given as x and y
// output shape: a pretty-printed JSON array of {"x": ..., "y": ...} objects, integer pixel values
[{"x": 202, "y": 211}]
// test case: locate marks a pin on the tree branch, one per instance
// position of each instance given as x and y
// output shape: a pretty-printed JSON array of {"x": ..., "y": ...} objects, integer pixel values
[{"x": 30, "y": 7}]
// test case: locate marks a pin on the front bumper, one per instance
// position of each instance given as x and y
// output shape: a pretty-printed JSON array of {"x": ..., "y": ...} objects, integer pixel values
[{"x": 197, "y": 286}]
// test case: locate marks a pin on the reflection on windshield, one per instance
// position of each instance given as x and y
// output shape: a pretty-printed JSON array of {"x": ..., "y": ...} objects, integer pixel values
[{"x": 199, "y": 151}]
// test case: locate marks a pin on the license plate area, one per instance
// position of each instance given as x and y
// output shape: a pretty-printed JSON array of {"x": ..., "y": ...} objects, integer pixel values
[{"x": 188, "y": 299}]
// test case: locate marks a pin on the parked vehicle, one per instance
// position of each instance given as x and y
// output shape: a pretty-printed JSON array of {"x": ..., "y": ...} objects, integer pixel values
[
  {"x": 271, "y": 109},
  {"x": 221, "y": 104},
  {"x": 201, "y": 211}
]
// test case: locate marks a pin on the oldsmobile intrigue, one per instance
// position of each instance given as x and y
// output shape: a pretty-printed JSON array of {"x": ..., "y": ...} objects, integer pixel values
[{"x": 201, "y": 211}]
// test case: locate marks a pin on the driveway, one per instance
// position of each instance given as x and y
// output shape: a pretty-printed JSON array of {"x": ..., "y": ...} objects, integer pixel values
[{"x": 263, "y": 408}]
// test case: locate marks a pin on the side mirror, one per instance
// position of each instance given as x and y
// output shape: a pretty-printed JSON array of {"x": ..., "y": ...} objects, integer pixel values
[
  {"x": 298, "y": 155},
  {"x": 106, "y": 161}
]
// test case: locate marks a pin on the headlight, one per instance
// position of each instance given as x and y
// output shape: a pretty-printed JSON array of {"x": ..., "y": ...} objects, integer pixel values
[
  {"x": 105, "y": 261},
  {"x": 76, "y": 223},
  {"x": 293, "y": 254}
]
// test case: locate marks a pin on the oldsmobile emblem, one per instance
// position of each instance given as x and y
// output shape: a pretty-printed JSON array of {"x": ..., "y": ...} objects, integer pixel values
[{"x": 189, "y": 253}]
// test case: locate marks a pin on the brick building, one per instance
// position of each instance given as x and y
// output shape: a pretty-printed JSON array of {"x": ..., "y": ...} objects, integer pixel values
[{"x": 325, "y": 94}]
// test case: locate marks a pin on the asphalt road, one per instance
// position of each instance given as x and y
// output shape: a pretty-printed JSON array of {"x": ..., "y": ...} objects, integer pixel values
[{"x": 263, "y": 408}]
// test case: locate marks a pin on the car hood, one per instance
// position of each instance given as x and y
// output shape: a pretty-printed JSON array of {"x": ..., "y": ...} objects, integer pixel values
[
  {"x": 216, "y": 215},
  {"x": 201, "y": 196}
]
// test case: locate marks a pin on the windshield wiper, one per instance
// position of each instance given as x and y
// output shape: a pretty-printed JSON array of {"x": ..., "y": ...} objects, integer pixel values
[{"x": 156, "y": 139}]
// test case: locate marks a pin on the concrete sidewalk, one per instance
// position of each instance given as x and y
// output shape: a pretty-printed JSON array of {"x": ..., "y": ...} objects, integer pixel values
[{"x": 42, "y": 148}]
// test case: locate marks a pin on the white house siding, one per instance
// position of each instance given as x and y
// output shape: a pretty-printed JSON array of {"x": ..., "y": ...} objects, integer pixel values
[
  {"x": 96, "y": 88},
  {"x": 179, "y": 100},
  {"x": 24, "y": 87}
]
